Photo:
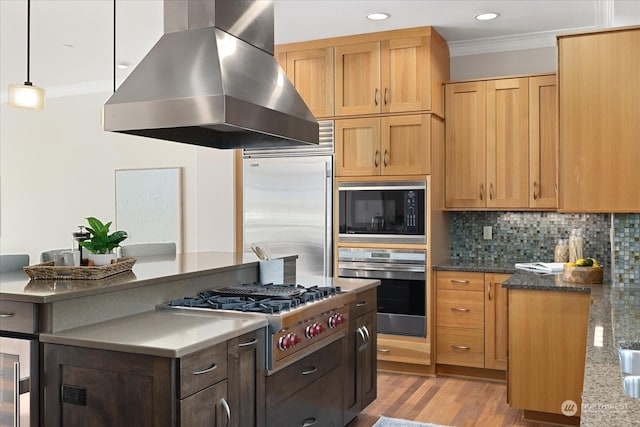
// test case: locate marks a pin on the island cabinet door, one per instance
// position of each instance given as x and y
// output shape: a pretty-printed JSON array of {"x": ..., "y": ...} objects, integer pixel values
[
  {"x": 246, "y": 379},
  {"x": 87, "y": 387},
  {"x": 206, "y": 408}
]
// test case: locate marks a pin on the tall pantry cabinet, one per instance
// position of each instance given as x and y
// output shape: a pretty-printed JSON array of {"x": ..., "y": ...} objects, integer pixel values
[{"x": 599, "y": 92}]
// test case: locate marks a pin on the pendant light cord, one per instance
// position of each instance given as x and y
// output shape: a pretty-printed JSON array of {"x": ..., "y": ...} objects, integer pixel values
[
  {"x": 28, "y": 41},
  {"x": 114, "y": 46}
]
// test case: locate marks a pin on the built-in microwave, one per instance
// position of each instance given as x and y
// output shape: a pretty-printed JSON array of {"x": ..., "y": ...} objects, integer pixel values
[{"x": 385, "y": 212}]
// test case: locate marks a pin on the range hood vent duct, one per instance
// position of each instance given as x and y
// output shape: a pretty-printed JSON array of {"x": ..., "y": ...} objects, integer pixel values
[{"x": 212, "y": 80}]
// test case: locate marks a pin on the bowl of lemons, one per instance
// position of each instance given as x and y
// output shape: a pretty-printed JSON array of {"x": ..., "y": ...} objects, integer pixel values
[{"x": 584, "y": 270}]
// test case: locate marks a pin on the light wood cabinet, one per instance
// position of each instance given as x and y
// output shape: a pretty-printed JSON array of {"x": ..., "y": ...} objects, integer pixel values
[
  {"x": 543, "y": 142},
  {"x": 599, "y": 91},
  {"x": 397, "y": 71},
  {"x": 311, "y": 72},
  {"x": 507, "y": 179},
  {"x": 547, "y": 347},
  {"x": 490, "y": 162},
  {"x": 496, "y": 321},
  {"x": 384, "y": 76},
  {"x": 395, "y": 145},
  {"x": 471, "y": 319},
  {"x": 465, "y": 144}
]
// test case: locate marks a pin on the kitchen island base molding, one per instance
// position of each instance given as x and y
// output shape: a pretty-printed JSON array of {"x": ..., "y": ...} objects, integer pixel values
[{"x": 546, "y": 418}]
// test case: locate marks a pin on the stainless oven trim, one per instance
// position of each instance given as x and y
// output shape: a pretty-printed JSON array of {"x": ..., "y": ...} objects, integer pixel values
[
  {"x": 389, "y": 185},
  {"x": 381, "y": 274},
  {"x": 381, "y": 238}
]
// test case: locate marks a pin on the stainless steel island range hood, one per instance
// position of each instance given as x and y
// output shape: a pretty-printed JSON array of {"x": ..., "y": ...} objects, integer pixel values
[{"x": 212, "y": 80}]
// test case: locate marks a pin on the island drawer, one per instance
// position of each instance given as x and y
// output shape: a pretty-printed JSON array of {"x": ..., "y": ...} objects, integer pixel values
[
  {"x": 202, "y": 369},
  {"x": 461, "y": 347},
  {"x": 460, "y": 309},
  {"x": 365, "y": 302},
  {"x": 460, "y": 280},
  {"x": 298, "y": 375},
  {"x": 18, "y": 317}
]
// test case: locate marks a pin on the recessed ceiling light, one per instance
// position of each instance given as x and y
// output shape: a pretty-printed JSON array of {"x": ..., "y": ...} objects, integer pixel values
[
  {"x": 69, "y": 45},
  {"x": 487, "y": 16},
  {"x": 378, "y": 16},
  {"x": 123, "y": 66}
]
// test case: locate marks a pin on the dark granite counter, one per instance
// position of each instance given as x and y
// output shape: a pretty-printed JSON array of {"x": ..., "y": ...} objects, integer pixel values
[{"x": 476, "y": 266}]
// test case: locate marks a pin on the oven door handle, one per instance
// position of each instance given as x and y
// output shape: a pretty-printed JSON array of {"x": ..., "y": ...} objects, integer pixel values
[
  {"x": 384, "y": 266},
  {"x": 414, "y": 273}
]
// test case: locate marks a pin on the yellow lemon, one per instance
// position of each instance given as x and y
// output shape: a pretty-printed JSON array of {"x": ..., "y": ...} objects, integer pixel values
[{"x": 571, "y": 264}]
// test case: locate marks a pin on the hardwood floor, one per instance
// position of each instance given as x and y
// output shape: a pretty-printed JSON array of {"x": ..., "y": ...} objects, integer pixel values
[{"x": 441, "y": 400}]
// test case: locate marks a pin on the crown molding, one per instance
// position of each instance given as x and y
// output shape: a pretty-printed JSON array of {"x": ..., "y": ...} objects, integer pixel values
[{"x": 507, "y": 43}]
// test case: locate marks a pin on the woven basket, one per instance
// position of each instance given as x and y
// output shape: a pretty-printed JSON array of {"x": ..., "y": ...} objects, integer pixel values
[{"x": 49, "y": 271}]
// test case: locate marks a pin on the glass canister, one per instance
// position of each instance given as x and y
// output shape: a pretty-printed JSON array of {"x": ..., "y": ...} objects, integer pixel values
[
  {"x": 561, "y": 253},
  {"x": 576, "y": 244}
]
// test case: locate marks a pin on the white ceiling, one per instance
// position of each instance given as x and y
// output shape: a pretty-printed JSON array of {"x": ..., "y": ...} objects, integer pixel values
[{"x": 87, "y": 25}]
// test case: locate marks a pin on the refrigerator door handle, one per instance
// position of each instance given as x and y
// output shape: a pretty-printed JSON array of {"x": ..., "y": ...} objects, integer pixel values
[{"x": 328, "y": 219}]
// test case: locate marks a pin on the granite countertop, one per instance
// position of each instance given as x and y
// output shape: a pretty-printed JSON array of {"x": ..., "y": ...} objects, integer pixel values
[
  {"x": 476, "y": 266},
  {"x": 165, "y": 333},
  {"x": 17, "y": 286}
]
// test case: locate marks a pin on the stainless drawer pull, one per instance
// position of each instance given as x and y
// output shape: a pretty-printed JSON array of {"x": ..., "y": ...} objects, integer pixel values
[
  {"x": 310, "y": 370},
  {"x": 459, "y": 309},
  {"x": 361, "y": 303},
  {"x": 460, "y": 347},
  {"x": 309, "y": 422},
  {"x": 16, "y": 393},
  {"x": 384, "y": 350},
  {"x": 7, "y": 315},
  {"x": 248, "y": 343},
  {"x": 227, "y": 411},
  {"x": 206, "y": 371},
  {"x": 459, "y": 281}
]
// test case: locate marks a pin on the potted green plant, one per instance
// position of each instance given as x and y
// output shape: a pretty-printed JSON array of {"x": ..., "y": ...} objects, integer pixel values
[{"x": 101, "y": 244}]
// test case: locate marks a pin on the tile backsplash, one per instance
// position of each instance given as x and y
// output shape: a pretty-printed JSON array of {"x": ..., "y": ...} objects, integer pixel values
[
  {"x": 527, "y": 236},
  {"x": 626, "y": 248}
]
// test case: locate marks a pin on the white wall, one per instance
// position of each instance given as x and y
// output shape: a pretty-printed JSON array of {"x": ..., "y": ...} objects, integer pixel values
[
  {"x": 497, "y": 64},
  {"x": 57, "y": 167}
]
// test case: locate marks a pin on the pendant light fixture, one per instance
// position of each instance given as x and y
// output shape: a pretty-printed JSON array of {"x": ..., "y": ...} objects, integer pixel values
[{"x": 27, "y": 95}]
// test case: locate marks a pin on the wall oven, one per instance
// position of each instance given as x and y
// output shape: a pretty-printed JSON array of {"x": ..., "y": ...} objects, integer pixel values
[
  {"x": 402, "y": 294},
  {"x": 389, "y": 212}
]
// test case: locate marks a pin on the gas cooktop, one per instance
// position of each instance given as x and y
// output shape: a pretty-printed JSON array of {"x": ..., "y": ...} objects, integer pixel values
[{"x": 268, "y": 299}]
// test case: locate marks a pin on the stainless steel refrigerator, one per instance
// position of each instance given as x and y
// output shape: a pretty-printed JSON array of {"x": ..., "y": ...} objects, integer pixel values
[{"x": 288, "y": 204}]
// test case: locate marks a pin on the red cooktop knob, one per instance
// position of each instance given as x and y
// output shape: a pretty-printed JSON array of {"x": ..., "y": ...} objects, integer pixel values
[
  {"x": 319, "y": 328},
  {"x": 310, "y": 331},
  {"x": 296, "y": 339}
]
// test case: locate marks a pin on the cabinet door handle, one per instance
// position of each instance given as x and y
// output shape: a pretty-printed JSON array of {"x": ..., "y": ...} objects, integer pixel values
[
  {"x": 375, "y": 97},
  {"x": 364, "y": 340},
  {"x": 459, "y": 309},
  {"x": 481, "y": 191},
  {"x": 361, "y": 303},
  {"x": 248, "y": 343},
  {"x": 386, "y": 158},
  {"x": 16, "y": 393},
  {"x": 384, "y": 350},
  {"x": 489, "y": 290},
  {"x": 309, "y": 422},
  {"x": 309, "y": 370},
  {"x": 491, "y": 191},
  {"x": 535, "y": 190},
  {"x": 460, "y": 347},
  {"x": 227, "y": 411},
  {"x": 385, "y": 95},
  {"x": 375, "y": 158},
  {"x": 6, "y": 315},
  {"x": 464, "y": 282},
  {"x": 206, "y": 371}
]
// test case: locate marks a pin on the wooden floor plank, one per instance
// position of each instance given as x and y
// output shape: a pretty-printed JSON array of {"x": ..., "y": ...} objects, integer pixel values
[{"x": 442, "y": 400}]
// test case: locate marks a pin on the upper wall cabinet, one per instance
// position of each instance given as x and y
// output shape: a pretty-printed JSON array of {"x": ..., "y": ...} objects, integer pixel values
[
  {"x": 395, "y": 145},
  {"x": 388, "y": 72},
  {"x": 599, "y": 90},
  {"x": 488, "y": 154},
  {"x": 311, "y": 72}
]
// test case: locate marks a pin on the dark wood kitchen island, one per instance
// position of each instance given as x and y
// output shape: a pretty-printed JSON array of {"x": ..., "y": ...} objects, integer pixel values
[{"x": 100, "y": 335}]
